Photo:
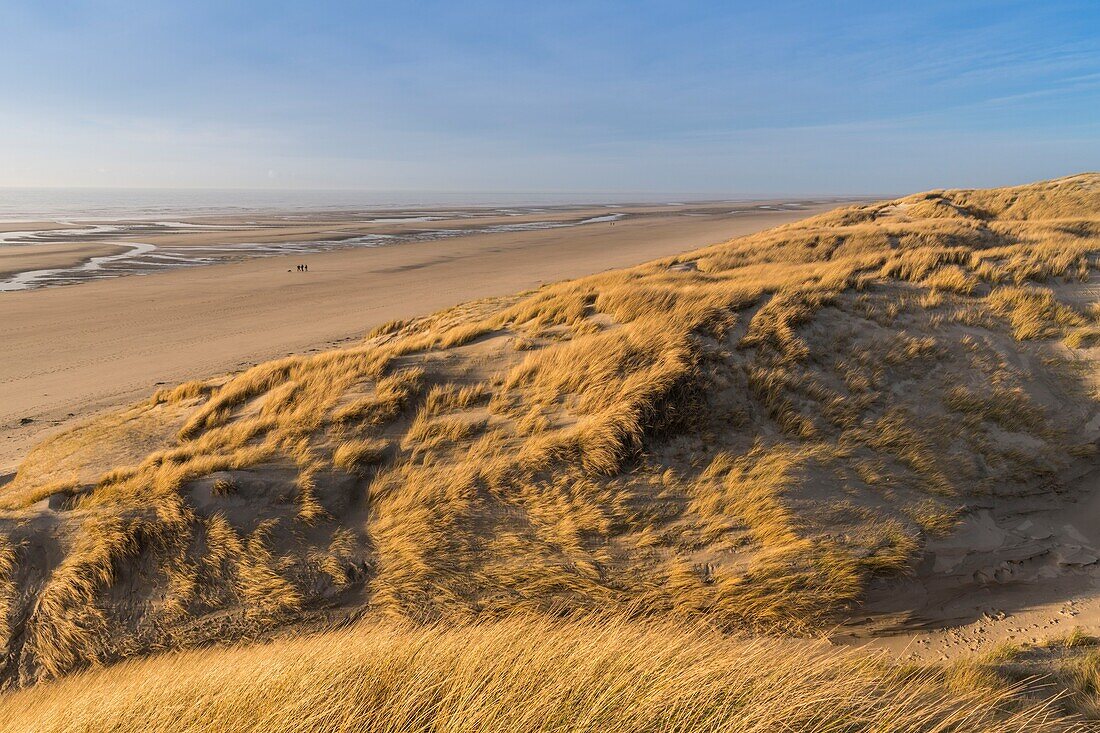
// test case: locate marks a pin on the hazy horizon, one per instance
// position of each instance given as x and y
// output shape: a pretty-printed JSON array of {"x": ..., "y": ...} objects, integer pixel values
[
  {"x": 792, "y": 98},
  {"x": 90, "y": 204}
]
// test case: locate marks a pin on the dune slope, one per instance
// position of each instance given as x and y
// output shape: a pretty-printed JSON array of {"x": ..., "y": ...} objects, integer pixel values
[{"x": 762, "y": 434}]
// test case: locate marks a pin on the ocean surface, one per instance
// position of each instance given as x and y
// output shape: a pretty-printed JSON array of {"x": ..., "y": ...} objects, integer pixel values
[{"x": 90, "y": 204}]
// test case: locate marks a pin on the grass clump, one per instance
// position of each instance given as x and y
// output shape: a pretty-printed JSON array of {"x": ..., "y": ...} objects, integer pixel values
[
  {"x": 224, "y": 487},
  {"x": 1012, "y": 409},
  {"x": 354, "y": 456},
  {"x": 952, "y": 279},
  {"x": 1034, "y": 313}
]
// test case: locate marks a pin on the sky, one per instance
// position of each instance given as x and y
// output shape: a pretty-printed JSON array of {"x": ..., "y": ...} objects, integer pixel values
[{"x": 775, "y": 97}]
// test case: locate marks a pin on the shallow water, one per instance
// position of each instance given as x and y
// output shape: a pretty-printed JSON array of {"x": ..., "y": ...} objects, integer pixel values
[
  {"x": 38, "y": 278},
  {"x": 128, "y": 217},
  {"x": 143, "y": 258}
]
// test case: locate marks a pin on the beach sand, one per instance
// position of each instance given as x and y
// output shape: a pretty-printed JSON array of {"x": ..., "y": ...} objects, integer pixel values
[{"x": 70, "y": 352}]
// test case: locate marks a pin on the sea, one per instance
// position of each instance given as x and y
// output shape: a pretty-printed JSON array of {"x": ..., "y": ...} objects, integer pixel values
[{"x": 91, "y": 204}]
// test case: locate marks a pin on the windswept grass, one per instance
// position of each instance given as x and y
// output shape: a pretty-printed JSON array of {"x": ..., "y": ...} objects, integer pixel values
[
  {"x": 953, "y": 280},
  {"x": 750, "y": 433},
  {"x": 1033, "y": 312},
  {"x": 1012, "y": 409},
  {"x": 517, "y": 676},
  {"x": 356, "y": 455}
]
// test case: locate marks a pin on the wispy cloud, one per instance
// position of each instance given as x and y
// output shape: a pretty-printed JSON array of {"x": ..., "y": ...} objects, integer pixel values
[{"x": 560, "y": 95}]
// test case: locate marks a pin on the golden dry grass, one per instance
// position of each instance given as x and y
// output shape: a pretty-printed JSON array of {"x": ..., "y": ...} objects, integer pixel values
[
  {"x": 749, "y": 433},
  {"x": 517, "y": 676},
  {"x": 355, "y": 455}
]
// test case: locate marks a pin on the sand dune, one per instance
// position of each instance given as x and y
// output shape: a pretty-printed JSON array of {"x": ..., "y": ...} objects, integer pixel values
[
  {"x": 103, "y": 344},
  {"x": 879, "y": 425}
]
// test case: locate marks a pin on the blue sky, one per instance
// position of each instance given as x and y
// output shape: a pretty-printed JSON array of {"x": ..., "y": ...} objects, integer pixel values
[{"x": 719, "y": 97}]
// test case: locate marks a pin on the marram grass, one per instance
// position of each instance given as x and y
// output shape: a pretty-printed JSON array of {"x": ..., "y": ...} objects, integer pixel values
[{"x": 519, "y": 676}]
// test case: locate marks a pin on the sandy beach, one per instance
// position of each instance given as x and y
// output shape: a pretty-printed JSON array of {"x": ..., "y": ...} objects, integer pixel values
[{"x": 72, "y": 351}]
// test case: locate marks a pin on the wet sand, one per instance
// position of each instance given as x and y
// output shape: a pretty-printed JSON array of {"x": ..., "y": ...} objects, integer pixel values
[
  {"x": 75, "y": 253},
  {"x": 19, "y": 258},
  {"x": 69, "y": 352}
]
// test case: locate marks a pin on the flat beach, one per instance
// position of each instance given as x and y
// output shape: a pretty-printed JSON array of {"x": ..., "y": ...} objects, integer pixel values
[{"x": 72, "y": 351}]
